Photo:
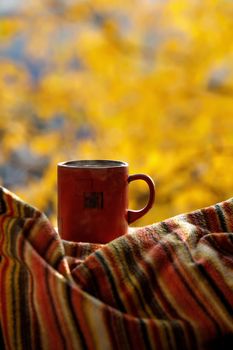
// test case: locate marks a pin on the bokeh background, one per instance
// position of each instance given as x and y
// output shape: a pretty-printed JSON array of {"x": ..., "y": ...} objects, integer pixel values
[{"x": 148, "y": 82}]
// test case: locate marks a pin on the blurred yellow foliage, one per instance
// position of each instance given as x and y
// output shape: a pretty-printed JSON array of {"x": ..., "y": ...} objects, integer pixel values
[
  {"x": 148, "y": 82},
  {"x": 9, "y": 28}
]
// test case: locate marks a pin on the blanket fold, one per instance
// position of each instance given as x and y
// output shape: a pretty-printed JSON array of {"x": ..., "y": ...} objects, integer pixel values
[{"x": 165, "y": 286}]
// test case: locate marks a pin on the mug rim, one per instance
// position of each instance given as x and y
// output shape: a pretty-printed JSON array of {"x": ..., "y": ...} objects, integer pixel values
[{"x": 92, "y": 164}]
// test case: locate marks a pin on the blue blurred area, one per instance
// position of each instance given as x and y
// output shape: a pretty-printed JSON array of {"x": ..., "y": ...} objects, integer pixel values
[
  {"x": 8, "y": 6},
  {"x": 15, "y": 50}
]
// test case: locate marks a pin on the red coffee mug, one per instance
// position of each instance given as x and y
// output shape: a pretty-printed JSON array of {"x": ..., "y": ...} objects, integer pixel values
[{"x": 93, "y": 200}]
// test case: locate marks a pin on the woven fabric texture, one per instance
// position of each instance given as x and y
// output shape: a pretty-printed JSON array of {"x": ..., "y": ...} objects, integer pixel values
[{"x": 165, "y": 286}]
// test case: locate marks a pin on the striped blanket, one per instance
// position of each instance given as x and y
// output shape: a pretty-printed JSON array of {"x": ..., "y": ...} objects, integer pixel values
[{"x": 165, "y": 286}]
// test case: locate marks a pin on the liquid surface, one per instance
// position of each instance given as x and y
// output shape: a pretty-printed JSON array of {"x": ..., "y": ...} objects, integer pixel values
[{"x": 94, "y": 164}]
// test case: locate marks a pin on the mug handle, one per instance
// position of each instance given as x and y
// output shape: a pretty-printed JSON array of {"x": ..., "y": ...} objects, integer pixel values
[{"x": 133, "y": 215}]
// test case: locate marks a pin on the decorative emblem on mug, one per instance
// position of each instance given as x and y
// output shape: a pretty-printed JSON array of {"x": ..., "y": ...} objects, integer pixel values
[{"x": 93, "y": 200}]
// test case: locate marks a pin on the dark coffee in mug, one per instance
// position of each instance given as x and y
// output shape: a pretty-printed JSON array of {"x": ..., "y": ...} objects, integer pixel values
[{"x": 93, "y": 200}]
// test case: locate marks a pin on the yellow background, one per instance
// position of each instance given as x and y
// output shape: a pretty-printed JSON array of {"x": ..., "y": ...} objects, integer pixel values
[{"x": 147, "y": 82}]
